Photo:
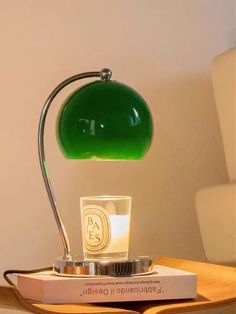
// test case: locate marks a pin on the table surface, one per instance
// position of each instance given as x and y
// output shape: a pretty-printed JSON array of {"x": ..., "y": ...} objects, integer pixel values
[{"x": 216, "y": 287}]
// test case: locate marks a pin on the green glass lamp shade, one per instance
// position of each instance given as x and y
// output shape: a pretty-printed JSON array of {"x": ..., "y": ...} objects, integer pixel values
[{"x": 104, "y": 120}]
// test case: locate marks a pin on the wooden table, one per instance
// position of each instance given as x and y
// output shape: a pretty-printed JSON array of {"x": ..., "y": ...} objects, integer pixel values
[{"x": 216, "y": 287}]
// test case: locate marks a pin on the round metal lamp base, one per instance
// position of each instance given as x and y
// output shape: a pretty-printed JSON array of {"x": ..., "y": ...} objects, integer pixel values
[{"x": 116, "y": 268}]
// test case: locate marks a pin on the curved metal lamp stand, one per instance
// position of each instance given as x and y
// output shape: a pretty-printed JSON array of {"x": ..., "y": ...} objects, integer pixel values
[
  {"x": 105, "y": 74},
  {"x": 66, "y": 265}
]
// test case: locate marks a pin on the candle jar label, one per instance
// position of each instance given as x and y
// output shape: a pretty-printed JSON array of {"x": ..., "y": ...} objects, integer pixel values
[{"x": 97, "y": 234}]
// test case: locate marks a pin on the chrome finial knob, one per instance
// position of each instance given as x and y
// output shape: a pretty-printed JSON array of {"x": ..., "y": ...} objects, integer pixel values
[{"x": 106, "y": 74}]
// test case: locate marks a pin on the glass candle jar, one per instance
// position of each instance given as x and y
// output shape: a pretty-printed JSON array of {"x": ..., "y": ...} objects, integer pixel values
[{"x": 105, "y": 227}]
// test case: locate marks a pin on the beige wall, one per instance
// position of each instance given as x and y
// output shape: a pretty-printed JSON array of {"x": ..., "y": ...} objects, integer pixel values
[{"x": 163, "y": 49}]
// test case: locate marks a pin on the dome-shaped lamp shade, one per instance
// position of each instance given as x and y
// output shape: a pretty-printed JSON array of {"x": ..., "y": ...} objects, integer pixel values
[{"x": 104, "y": 120}]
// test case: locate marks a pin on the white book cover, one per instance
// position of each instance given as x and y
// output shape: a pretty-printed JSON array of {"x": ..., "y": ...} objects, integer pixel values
[{"x": 165, "y": 283}]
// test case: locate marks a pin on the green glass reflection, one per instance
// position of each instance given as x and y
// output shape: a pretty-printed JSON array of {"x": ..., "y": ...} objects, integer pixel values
[{"x": 104, "y": 120}]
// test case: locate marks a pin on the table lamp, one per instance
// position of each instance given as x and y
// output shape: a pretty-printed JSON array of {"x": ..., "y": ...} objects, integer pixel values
[{"x": 102, "y": 120}]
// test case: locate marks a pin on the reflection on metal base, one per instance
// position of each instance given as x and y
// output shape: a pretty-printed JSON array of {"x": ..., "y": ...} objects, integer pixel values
[{"x": 116, "y": 268}]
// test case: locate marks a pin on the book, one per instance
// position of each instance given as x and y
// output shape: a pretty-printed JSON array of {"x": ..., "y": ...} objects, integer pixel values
[{"x": 164, "y": 283}]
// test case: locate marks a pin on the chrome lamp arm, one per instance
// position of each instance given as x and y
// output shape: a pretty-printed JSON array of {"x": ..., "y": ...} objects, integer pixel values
[{"x": 104, "y": 74}]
